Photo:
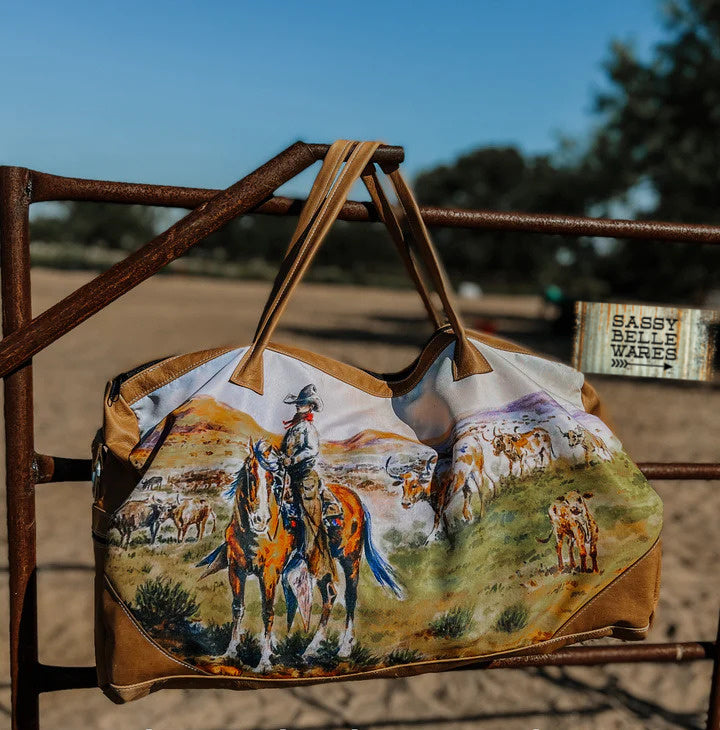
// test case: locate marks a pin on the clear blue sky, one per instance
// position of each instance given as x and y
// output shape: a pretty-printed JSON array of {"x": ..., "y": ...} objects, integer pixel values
[{"x": 193, "y": 93}]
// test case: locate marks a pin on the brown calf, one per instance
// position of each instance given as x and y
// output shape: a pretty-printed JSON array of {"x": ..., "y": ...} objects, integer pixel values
[{"x": 570, "y": 518}]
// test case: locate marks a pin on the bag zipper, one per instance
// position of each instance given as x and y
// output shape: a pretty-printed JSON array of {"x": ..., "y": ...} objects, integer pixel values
[{"x": 118, "y": 380}]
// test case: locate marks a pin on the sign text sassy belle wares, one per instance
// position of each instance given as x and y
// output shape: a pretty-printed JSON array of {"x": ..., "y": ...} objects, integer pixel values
[{"x": 645, "y": 341}]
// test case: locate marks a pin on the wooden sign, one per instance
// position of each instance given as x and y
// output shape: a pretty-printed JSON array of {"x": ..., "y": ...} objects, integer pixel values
[{"x": 645, "y": 341}]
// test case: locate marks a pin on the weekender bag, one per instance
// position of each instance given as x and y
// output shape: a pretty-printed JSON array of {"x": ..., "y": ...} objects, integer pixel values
[{"x": 266, "y": 516}]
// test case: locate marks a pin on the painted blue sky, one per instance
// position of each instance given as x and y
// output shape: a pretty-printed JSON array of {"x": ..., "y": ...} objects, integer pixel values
[{"x": 192, "y": 93}]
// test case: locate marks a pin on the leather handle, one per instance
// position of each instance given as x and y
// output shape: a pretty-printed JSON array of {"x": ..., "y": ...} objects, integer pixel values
[
  {"x": 321, "y": 186},
  {"x": 332, "y": 162},
  {"x": 308, "y": 238},
  {"x": 468, "y": 360},
  {"x": 249, "y": 372},
  {"x": 387, "y": 215}
]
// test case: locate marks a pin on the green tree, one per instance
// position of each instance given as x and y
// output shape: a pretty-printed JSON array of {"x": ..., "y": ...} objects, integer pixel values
[
  {"x": 107, "y": 225},
  {"x": 505, "y": 179},
  {"x": 660, "y": 132}
]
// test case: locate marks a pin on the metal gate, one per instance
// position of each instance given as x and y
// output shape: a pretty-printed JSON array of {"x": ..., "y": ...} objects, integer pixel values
[{"x": 24, "y": 337}]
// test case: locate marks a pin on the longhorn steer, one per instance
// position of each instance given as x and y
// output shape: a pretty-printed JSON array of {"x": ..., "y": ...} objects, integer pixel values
[
  {"x": 518, "y": 447},
  {"x": 570, "y": 518},
  {"x": 591, "y": 444},
  {"x": 416, "y": 488},
  {"x": 436, "y": 481}
]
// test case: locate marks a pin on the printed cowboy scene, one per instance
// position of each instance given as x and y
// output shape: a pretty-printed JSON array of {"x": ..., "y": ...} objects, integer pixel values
[{"x": 294, "y": 553}]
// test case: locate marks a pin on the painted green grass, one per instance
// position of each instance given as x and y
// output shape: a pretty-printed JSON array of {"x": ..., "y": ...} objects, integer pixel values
[
  {"x": 452, "y": 624},
  {"x": 505, "y": 582}
]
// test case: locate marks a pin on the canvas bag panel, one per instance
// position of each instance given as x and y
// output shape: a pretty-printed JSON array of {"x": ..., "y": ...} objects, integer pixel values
[{"x": 266, "y": 516}]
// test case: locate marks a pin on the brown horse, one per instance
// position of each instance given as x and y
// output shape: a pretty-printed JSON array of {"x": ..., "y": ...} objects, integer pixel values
[
  {"x": 349, "y": 535},
  {"x": 258, "y": 542}
]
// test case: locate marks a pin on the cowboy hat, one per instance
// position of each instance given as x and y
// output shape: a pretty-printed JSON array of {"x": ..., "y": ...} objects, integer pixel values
[{"x": 308, "y": 396}]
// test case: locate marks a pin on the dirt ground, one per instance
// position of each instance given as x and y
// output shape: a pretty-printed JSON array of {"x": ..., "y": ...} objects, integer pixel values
[{"x": 380, "y": 330}]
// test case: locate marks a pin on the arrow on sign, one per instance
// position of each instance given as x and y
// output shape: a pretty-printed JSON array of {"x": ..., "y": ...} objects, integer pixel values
[
  {"x": 619, "y": 362},
  {"x": 664, "y": 365}
]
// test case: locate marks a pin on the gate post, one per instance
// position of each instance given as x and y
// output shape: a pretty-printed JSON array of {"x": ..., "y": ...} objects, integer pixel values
[{"x": 15, "y": 193}]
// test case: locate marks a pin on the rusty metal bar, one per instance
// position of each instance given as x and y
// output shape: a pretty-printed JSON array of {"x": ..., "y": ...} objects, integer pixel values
[
  {"x": 384, "y": 155},
  {"x": 55, "y": 187},
  {"x": 62, "y": 469},
  {"x": 679, "y": 470},
  {"x": 20, "y": 493},
  {"x": 567, "y": 225},
  {"x": 53, "y": 678},
  {"x": 587, "y": 656},
  {"x": 244, "y": 195},
  {"x": 52, "y": 187}
]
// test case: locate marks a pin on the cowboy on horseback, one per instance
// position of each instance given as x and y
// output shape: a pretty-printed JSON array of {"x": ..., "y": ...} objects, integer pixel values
[
  {"x": 298, "y": 453},
  {"x": 279, "y": 532}
]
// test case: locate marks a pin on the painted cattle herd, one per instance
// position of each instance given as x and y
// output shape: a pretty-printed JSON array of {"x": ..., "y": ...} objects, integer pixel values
[
  {"x": 438, "y": 479},
  {"x": 153, "y": 512}
]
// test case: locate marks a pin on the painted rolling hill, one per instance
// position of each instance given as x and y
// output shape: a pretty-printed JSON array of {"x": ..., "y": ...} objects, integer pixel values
[
  {"x": 204, "y": 431},
  {"x": 201, "y": 432}
]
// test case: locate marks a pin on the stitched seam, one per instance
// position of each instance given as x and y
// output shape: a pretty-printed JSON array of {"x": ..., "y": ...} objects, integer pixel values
[
  {"x": 141, "y": 630},
  {"x": 432, "y": 351}
]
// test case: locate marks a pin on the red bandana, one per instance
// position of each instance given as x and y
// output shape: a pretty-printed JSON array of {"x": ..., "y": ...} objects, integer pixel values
[{"x": 297, "y": 418}]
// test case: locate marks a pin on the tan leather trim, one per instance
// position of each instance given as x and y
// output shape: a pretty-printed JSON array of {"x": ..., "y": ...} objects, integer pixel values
[
  {"x": 135, "y": 690},
  {"x": 128, "y": 692},
  {"x": 627, "y": 604},
  {"x": 125, "y": 652},
  {"x": 592, "y": 404},
  {"x": 166, "y": 371},
  {"x": 382, "y": 385},
  {"x": 376, "y": 384},
  {"x": 121, "y": 435},
  {"x": 120, "y": 428}
]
